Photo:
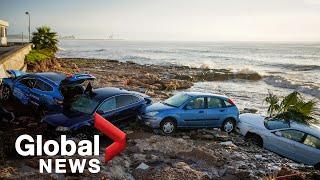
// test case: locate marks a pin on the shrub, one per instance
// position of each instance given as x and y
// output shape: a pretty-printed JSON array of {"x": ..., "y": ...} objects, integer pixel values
[{"x": 39, "y": 55}]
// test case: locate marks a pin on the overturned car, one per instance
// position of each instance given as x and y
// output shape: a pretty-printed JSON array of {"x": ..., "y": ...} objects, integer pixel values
[{"x": 45, "y": 92}]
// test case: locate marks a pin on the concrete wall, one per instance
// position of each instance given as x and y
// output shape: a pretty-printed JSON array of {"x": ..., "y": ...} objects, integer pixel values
[{"x": 14, "y": 59}]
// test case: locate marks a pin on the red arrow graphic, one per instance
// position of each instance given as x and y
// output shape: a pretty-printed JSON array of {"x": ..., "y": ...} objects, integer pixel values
[{"x": 118, "y": 136}]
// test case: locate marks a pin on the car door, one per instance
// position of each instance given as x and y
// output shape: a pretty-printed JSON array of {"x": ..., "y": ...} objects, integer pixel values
[
  {"x": 40, "y": 94},
  {"x": 216, "y": 112},
  {"x": 194, "y": 112},
  {"x": 22, "y": 89},
  {"x": 108, "y": 108},
  {"x": 283, "y": 142},
  {"x": 308, "y": 151},
  {"x": 127, "y": 107}
]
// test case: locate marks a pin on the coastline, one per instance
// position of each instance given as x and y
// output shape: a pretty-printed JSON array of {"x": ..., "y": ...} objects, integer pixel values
[{"x": 155, "y": 80}]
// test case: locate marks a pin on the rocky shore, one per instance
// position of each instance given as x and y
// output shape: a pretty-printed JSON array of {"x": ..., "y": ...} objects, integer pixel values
[
  {"x": 155, "y": 80},
  {"x": 190, "y": 154}
]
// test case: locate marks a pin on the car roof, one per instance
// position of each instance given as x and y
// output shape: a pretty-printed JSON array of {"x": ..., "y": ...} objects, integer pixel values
[
  {"x": 196, "y": 94},
  {"x": 312, "y": 129},
  {"x": 101, "y": 94},
  {"x": 53, "y": 76}
]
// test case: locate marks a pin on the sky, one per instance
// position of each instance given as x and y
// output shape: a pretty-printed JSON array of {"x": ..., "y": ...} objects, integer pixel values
[{"x": 170, "y": 20}]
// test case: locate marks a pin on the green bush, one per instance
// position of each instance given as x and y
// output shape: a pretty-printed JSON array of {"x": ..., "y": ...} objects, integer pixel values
[{"x": 39, "y": 55}]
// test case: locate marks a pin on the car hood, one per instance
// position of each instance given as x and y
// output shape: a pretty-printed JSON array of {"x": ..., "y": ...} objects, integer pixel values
[
  {"x": 256, "y": 120},
  {"x": 69, "y": 120},
  {"x": 158, "y": 107}
]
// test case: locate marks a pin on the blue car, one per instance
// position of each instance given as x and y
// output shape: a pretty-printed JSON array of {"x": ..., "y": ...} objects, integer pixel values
[
  {"x": 114, "y": 104},
  {"x": 192, "y": 110},
  {"x": 43, "y": 91}
]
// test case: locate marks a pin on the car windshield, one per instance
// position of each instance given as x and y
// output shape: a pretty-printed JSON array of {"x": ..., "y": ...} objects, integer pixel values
[
  {"x": 84, "y": 104},
  {"x": 177, "y": 100},
  {"x": 273, "y": 124}
]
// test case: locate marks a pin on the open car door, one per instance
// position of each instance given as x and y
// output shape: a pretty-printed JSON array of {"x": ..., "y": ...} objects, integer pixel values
[
  {"x": 72, "y": 87},
  {"x": 76, "y": 79}
]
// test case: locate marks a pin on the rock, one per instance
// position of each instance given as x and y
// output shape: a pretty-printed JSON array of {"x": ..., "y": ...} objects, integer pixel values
[
  {"x": 186, "y": 137},
  {"x": 260, "y": 157},
  {"x": 7, "y": 172},
  {"x": 249, "y": 110},
  {"x": 139, "y": 157},
  {"x": 227, "y": 143},
  {"x": 143, "y": 166}
]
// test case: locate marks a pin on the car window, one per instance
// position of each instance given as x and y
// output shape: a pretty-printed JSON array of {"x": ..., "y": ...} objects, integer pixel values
[
  {"x": 124, "y": 100},
  {"x": 135, "y": 99},
  {"x": 273, "y": 124},
  {"x": 292, "y": 135},
  {"x": 177, "y": 100},
  {"x": 214, "y": 102},
  {"x": 228, "y": 104},
  {"x": 84, "y": 104},
  {"x": 197, "y": 103},
  {"x": 43, "y": 86},
  {"x": 29, "y": 82},
  {"x": 108, "y": 105},
  {"x": 312, "y": 141}
]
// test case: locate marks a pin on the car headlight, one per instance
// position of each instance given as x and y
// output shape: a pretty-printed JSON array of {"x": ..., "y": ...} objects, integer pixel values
[
  {"x": 62, "y": 129},
  {"x": 152, "y": 113}
]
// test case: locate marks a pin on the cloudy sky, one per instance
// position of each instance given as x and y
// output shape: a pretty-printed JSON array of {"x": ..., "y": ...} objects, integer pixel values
[{"x": 174, "y": 20}]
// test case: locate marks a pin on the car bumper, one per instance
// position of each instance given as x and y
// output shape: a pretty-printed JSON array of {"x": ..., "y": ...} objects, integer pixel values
[{"x": 151, "y": 121}]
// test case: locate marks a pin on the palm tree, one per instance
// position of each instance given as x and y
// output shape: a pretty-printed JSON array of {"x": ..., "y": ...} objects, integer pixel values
[
  {"x": 272, "y": 100},
  {"x": 44, "y": 38},
  {"x": 292, "y": 107}
]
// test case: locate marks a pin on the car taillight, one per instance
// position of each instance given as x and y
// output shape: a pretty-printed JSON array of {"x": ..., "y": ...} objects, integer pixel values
[{"x": 231, "y": 102}]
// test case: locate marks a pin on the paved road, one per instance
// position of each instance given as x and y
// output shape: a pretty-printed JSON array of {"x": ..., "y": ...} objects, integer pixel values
[{"x": 4, "y": 50}]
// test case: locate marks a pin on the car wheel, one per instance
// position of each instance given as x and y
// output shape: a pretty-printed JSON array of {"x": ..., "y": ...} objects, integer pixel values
[
  {"x": 6, "y": 93},
  {"x": 255, "y": 139},
  {"x": 168, "y": 126},
  {"x": 228, "y": 125},
  {"x": 317, "y": 166}
]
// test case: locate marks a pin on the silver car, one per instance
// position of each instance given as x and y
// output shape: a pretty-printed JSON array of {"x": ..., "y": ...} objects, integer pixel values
[{"x": 295, "y": 141}]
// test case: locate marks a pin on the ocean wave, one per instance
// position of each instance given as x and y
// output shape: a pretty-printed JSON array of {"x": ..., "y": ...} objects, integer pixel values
[
  {"x": 278, "y": 81},
  {"x": 135, "y": 58},
  {"x": 100, "y": 50},
  {"x": 156, "y": 51},
  {"x": 297, "y": 67},
  {"x": 218, "y": 57}
]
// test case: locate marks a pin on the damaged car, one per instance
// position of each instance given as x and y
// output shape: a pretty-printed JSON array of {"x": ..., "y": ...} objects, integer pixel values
[
  {"x": 294, "y": 140},
  {"x": 114, "y": 104},
  {"x": 45, "y": 92},
  {"x": 192, "y": 110}
]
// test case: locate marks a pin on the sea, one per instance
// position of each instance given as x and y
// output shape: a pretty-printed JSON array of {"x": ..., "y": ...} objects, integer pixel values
[{"x": 285, "y": 66}]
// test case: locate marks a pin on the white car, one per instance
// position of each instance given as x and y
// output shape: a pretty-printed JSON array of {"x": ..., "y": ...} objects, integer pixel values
[{"x": 296, "y": 141}]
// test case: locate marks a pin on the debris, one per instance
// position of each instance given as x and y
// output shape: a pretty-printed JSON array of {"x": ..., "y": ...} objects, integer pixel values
[{"x": 143, "y": 166}]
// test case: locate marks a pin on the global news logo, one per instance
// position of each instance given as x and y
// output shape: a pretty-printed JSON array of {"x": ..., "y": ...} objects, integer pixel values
[{"x": 26, "y": 145}]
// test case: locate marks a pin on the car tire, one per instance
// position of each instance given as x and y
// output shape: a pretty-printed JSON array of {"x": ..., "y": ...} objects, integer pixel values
[
  {"x": 6, "y": 93},
  {"x": 168, "y": 126},
  {"x": 228, "y": 125},
  {"x": 317, "y": 166},
  {"x": 255, "y": 139}
]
